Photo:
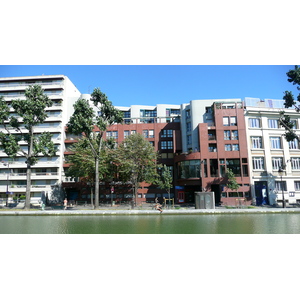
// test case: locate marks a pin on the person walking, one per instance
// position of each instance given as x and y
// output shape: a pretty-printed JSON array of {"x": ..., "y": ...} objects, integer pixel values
[{"x": 65, "y": 203}]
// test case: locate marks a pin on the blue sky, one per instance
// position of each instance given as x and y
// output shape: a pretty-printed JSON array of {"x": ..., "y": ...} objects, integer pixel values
[{"x": 127, "y": 85}]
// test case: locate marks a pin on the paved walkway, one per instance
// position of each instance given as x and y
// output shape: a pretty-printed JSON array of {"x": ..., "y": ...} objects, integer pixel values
[{"x": 147, "y": 211}]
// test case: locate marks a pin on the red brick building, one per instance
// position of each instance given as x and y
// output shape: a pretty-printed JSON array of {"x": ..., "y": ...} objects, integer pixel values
[{"x": 199, "y": 146}]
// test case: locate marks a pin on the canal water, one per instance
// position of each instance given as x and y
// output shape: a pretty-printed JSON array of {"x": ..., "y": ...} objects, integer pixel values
[{"x": 278, "y": 223}]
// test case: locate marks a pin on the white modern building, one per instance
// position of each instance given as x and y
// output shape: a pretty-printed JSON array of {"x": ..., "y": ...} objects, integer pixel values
[
  {"x": 47, "y": 174},
  {"x": 269, "y": 151},
  {"x": 196, "y": 112}
]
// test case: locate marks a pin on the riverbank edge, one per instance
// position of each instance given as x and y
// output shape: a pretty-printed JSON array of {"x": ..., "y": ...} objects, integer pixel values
[{"x": 147, "y": 212}]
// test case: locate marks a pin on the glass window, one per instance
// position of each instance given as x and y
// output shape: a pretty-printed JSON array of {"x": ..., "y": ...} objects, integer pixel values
[
  {"x": 226, "y": 134},
  {"x": 254, "y": 123},
  {"x": 297, "y": 185},
  {"x": 189, "y": 169},
  {"x": 235, "y": 147},
  {"x": 280, "y": 185},
  {"x": 228, "y": 147},
  {"x": 126, "y": 133},
  {"x": 273, "y": 123},
  {"x": 295, "y": 162},
  {"x": 145, "y": 133},
  {"x": 275, "y": 142},
  {"x": 234, "y": 135},
  {"x": 212, "y": 147},
  {"x": 188, "y": 126},
  {"x": 276, "y": 163},
  {"x": 294, "y": 144},
  {"x": 258, "y": 163},
  {"x": 166, "y": 145},
  {"x": 167, "y": 133},
  {"x": 234, "y": 165},
  {"x": 151, "y": 133},
  {"x": 256, "y": 142},
  {"x": 233, "y": 121},
  {"x": 189, "y": 139},
  {"x": 225, "y": 121}
]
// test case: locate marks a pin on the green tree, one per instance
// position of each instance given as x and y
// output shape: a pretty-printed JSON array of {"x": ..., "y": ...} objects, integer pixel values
[
  {"x": 137, "y": 161},
  {"x": 165, "y": 180},
  {"x": 21, "y": 128},
  {"x": 289, "y": 102},
  {"x": 82, "y": 162},
  {"x": 85, "y": 121},
  {"x": 231, "y": 180}
]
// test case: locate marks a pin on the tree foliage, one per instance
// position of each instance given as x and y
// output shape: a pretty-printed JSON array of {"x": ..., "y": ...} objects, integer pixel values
[
  {"x": 85, "y": 121},
  {"x": 231, "y": 181},
  {"x": 289, "y": 102},
  {"x": 21, "y": 128},
  {"x": 165, "y": 180},
  {"x": 137, "y": 161}
]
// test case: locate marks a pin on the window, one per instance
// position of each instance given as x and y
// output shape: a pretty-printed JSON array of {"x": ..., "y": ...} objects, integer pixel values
[
  {"x": 258, "y": 163},
  {"x": 225, "y": 121},
  {"x": 234, "y": 165},
  {"x": 254, "y": 123},
  {"x": 293, "y": 145},
  {"x": 151, "y": 133},
  {"x": 229, "y": 121},
  {"x": 273, "y": 123},
  {"x": 295, "y": 162},
  {"x": 256, "y": 142},
  {"x": 189, "y": 139},
  {"x": 188, "y": 126},
  {"x": 126, "y": 133},
  {"x": 226, "y": 134},
  {"x": 126, "y": 116},
  {"x": 275, "y": 142},
  {"x": 235, "y": 147},
  {"x": 297, "y": 185},
  {"x": 189, "y": 169},
  {"x": 233, "y": 121},
  {"x": 280, "y": 185},
  {"x": 276, "y": 163},
  {"x": 211, "y": 135},
  {"x": 212, "y": 147},
  {"x": 133, "y": 131},
  {"x": 208, "y": 110},
  {"x": 166, "y": 144},
  {"x": 112, "y": 134},
  {"x": 167, "y": 133},
  {"x": 234, "y": 135},
  {"x": 228, "y": 147},
  {"x": 145, "y": 133}
]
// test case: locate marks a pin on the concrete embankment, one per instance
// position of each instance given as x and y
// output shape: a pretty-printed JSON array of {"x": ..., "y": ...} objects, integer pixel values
[{"x": 91, "y": 212}]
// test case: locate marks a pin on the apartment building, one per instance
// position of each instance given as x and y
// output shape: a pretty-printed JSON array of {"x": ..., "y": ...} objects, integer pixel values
[
  {"x": 160, "y": 125},
  {"x": 199, "y": 141},
  {"x": 47, "y": 174},
  {"x": 270, "y": 153},
  {"x": 214, "y": 140}
]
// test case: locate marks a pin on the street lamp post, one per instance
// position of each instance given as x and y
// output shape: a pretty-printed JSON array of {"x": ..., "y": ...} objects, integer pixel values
[{"x": 281, "y": 171}]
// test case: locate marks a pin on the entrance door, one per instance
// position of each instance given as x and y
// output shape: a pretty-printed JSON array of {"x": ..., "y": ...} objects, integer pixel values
[
  {"x": 180, "y": 197},
  {"x": 216, "y": 189},
  {"x": 261, "y": 192}
]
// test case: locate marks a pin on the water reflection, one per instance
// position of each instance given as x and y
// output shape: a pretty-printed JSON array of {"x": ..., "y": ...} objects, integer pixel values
[{"x": 165, "y": 224}]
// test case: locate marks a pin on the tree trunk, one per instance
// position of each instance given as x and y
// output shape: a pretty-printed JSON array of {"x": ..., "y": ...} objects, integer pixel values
[
  {"x": 28, "y": 186},
  {"x": 92, "y": 196},
  {"x": 28, "y": 171},
  {"x": 96, "y": 183}
]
